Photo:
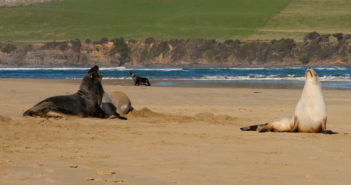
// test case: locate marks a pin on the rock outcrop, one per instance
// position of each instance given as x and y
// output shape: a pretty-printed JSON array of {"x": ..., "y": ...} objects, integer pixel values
[{"x": 316, "y": 49}]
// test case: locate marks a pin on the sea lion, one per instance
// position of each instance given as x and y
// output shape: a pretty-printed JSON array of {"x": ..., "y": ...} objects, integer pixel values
[
  {"x": 86, "y": 102},
  {"x": 109, "y": 107},
  {"x": 310, "y": 113},
  {"x": 139, "y": 80},
  {"x": 122, "y": 101}
]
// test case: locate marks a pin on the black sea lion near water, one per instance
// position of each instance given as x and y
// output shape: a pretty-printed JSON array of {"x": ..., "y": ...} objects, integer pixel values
[
  {"x": 86, "y": 102},
  {"x": 139, "y": 80},
  {"x": 310, "y": 113}
]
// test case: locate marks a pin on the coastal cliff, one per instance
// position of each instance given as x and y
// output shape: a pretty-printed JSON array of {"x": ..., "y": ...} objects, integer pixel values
[{"x": 316, "y": 49}]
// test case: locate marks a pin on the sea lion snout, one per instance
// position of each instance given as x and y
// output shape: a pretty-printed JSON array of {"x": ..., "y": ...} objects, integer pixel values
[
  {"x": 94, "y": 69},
  {"x": 310, "y": 72}
]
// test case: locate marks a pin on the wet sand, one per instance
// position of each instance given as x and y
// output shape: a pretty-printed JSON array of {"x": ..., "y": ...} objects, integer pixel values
[{"x": 176, "y": 135}]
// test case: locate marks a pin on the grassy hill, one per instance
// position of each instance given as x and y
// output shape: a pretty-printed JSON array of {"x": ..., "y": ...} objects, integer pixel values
[
  {"x": 138, "y": 19},
  {"x": 170, "y": 19},
  {"x": 304, "y": 16}
]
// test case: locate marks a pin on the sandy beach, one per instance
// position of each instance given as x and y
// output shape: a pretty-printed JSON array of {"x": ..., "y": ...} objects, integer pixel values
[{"x": 176, "y": 135}]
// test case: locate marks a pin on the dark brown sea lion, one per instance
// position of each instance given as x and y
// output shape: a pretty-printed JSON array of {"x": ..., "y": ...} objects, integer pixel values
[
  {"x": 86, "y": 102},
  {"x": 139, "y": 80}
]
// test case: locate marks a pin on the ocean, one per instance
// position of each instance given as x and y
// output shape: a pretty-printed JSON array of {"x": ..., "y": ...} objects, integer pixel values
[{"x": 338, "y": 77}]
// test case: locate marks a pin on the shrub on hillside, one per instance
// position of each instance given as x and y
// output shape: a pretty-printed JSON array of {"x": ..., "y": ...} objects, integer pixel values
[
  {"x": 76, "y": 45},
  {"x": 311, "y": 36},
  {"x": 279, "y": 49},
  {"x": 88, "y": 41},
  {"x": 62, "y": 46},
  {"x": 49, "y": 45},
  {"x": 149, "y": 41},
  {"x": 28, "y": 48},
  {"x": 102, "y": 41},
  {"x": 305, "y": 57},
  {"x": 179, "y": 49},
  {"x": 121, "y": 47},
  {"x": 338, "y": 36},
  {"x": 8, "y": 48},
  {"x": 157, "y": 49}
]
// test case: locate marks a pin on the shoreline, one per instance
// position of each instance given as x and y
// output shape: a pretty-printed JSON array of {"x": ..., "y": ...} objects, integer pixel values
[{"x": 212, "y": 84}]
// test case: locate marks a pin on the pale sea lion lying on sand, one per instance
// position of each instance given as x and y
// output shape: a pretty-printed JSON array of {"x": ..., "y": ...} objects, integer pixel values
[
  {"x": 121, "y": 100},
  {"x": 109, "y": 106},
  {"x": 310, "y": 113}
]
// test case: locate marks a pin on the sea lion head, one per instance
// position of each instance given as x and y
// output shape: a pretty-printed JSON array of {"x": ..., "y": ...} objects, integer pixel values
[
  {"x": 131, "y": 73},
  {"x": 91, "y": 84},
  {"x": 93, "y": 73},
  {"x": 311, "y": 75}
]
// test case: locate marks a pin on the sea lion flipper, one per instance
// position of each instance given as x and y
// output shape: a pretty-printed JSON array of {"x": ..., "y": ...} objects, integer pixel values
[
  {"x": 324, "y": 124},
  {"x": 296, "y": 124},
  {"x": 119, "y": 117},
  {"x": 260, "y": 128},
  {"x": 324, "y": 128},
  {"x": 40, "y": 109},
  {"x": 329, "y": 132},
  {"x": 249, "y": 128}
]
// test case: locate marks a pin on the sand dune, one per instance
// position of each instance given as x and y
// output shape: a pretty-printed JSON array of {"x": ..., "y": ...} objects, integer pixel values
[{"x": 174, "y": 136}]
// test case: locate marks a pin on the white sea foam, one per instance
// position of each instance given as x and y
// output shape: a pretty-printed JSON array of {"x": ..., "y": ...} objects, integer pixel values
[
  {"x": 271, "y": 77},
  {"x": 86, "y": 68},
  {"x": 113, "y": 68},
  {"x": 117, "y": 78},
  {"x": 327, "y": 73},
  {"x": 155, "y": 69},
  {"x": 139, "y": 69},
  {"x": 336, "y": 68},
  {"x": 345, "y": 78},
  {"x": 43, "y": 68},
  {"x": 247, "y": 68},
  {"x": 264, "y": 68}
]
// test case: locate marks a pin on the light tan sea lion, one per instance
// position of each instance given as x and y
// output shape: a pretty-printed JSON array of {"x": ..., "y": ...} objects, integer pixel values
[
  {"x": 310, "y": 113},
  {"x": 109, "y": 107},
  {"x": 122, "y": 101}
]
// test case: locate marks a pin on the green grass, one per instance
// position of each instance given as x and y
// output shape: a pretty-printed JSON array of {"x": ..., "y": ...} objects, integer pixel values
[
  {"x": 138, "y": 19},
  {"x": 304, "y": 16}
]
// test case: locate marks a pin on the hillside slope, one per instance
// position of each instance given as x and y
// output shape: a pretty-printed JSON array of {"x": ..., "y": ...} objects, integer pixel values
[
  {"x": 304, "y": 16},
  {"x": 17, "y": 3},
  {"x": 138, "y": 19}
]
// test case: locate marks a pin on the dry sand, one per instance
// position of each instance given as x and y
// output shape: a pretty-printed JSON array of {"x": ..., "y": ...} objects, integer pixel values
[{"x": 187, "y": 136}]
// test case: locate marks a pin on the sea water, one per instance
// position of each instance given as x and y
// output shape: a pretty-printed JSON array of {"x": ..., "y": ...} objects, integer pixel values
[{"x": 253, "y": 77}]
